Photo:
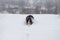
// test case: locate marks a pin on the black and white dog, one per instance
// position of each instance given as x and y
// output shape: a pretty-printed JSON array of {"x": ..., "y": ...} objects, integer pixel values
[{"x": 29, "y": 19}]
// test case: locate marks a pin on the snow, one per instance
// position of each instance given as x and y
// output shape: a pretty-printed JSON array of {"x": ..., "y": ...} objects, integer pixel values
[{"x": 45, "y": 27}]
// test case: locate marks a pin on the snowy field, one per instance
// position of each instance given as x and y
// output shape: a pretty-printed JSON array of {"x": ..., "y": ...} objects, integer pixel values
[{"x": 45, "y": 27}]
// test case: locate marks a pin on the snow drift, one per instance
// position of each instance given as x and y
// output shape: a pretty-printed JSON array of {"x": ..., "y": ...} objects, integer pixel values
[{"x": 45, "y": 27}]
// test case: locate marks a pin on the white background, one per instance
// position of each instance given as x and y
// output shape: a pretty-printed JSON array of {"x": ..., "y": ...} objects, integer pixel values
[{"x": 45, "y": 27}]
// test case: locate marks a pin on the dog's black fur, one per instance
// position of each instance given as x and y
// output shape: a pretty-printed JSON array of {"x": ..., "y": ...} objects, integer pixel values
[{"x": 29, "y": 19}]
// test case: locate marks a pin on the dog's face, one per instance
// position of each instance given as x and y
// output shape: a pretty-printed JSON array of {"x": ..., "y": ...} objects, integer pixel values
[{"x": 29, "y": 20}]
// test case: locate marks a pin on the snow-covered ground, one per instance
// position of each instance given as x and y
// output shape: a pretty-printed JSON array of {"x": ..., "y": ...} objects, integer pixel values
[{"x": 45, "y": 27}]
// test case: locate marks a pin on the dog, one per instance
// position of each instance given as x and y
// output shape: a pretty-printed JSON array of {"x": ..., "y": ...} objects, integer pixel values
[{"x": 29, "y": 19}]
